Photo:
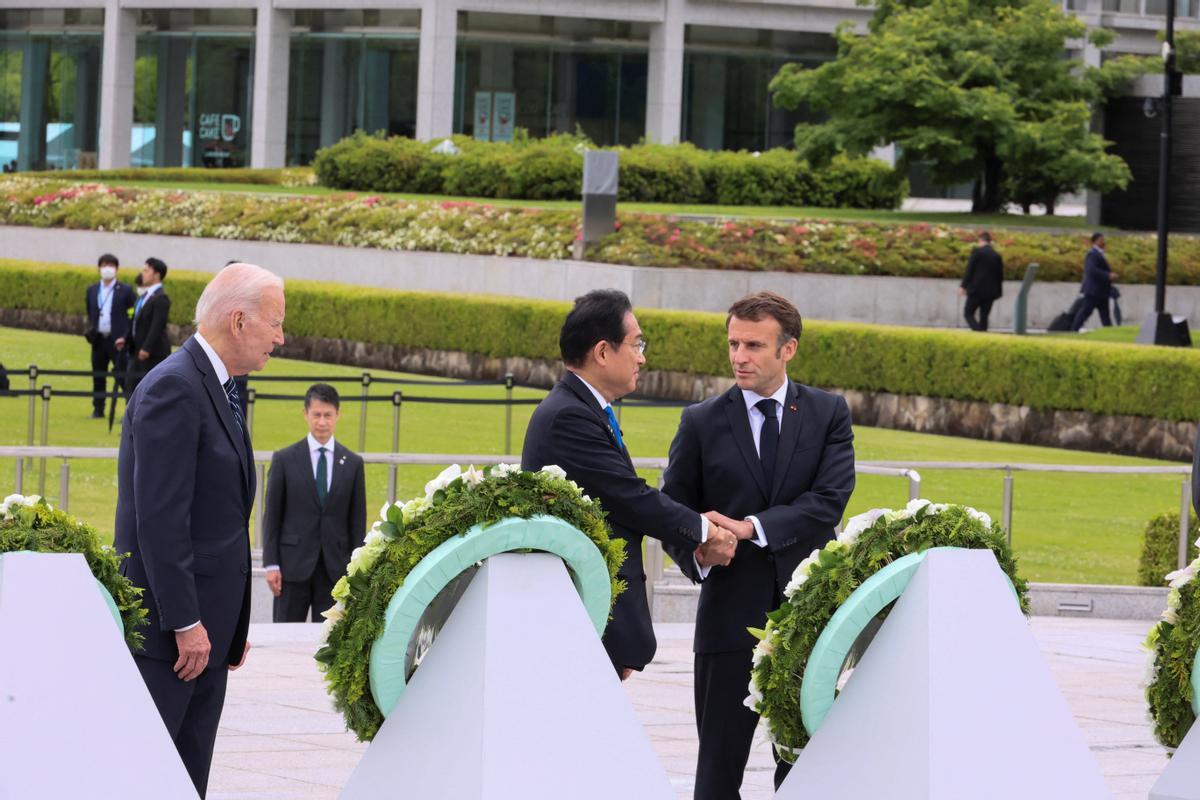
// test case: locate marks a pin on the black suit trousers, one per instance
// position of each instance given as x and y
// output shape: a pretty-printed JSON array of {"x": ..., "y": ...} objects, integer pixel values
[
  {"x": 984, "y": 307},
  {"x": 725, "y": 725},
  {"x": 191, "y": 711},
  {"x": 297, "y": 597},
  {"x": 1091, "y": 303},
  {"x": 104, "y": 353}
]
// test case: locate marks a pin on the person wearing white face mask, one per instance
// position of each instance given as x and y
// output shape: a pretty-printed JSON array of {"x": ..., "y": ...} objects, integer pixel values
[{"x": 108, "y": 305}]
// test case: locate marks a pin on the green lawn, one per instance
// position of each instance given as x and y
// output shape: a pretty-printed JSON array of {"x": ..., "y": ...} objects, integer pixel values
[
  {"x": 1068, "y": 528},
  {"x": 769, "y": 212}
]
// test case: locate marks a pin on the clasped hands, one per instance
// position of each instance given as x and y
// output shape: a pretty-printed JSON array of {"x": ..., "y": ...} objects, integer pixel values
[{"x": 723, "y": 537}]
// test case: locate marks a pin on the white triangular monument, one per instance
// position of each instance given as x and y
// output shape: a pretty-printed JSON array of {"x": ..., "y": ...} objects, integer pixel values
[
  {"x": 952, "y": 700},
  {"x": 1181, "y": 779},
  {"x": 75, "y": 716},
  {"x": 515, "y": 699}
]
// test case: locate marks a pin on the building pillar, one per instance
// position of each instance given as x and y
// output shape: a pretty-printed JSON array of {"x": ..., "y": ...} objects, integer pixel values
[
  {"x": 87, "y": 93},
  {"x": 437, "y": 62},
  {"x": 268, "y": 118},
  {"x": 35, "y": 73},
  {"x": 170, "y": 103},
  {"x": 664, "y": 92},
  {"x": 116, "y": 85}
]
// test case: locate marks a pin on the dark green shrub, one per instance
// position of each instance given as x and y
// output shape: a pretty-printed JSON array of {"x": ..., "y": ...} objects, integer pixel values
[
  {"x": 862, "y": 183},
  {"x": 656, "y": 173},
  {"x": 547, "y": 170},
  {"x": 772, "y": 178},
  {"x": 1160, "y": 548},
  {"x": 479, "y": 172},
  {"x": 376, "y": 164}
]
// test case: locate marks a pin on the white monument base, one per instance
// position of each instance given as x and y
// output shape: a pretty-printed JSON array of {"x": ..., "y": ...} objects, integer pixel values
[
  {"x": 952, "y": 700},
  {"x": 1181, "y": 779},
  {"x": 75, "y": 717},
  {"x": 515, "y": 699}
]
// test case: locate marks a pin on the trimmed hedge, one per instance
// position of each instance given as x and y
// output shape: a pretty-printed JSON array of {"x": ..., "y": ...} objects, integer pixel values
[
  {"x": 289, "y": 176},
  {"x": 1160, "y": 548},
  {"x": 552, "y": 169},
  {"x": 1043, "y": 373},
  {"x": 651, "y": 240}
]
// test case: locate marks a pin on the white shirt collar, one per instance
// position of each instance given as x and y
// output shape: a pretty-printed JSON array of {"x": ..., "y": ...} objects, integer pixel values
[
  {"x": 753, "y": 398},
  {"x": 313, "y": 444},
  {"x": 599, "y": 397},
  {"x": 152, "y": 289},
  {"x": 218, "y": 364}
]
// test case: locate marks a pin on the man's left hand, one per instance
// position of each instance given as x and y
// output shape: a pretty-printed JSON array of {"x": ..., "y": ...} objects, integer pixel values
[
  {"x": 742, "y": 529},
  {"x": 119, "y": 343},
  {"x": 245, "y": 653},
  {"x": 143, "y": 355}
]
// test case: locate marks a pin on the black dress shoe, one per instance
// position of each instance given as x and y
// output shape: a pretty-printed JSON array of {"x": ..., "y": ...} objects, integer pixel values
[{"x": 97, "y": 415}]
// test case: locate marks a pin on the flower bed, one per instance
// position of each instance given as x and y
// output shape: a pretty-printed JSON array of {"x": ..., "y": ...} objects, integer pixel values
[
  {"x": 827, "y": 579},
  {"x": 453, "y": 504},
  {"x": 29, "y": 523},
  {"x": 918, "y": 250}
]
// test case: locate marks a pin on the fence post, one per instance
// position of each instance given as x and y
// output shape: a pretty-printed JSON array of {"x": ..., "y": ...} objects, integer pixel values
[
  {"x": 250, "y": 394},
  {"x": 362, "y": 420},
  {"x": 1021, "y": 306},
  {"x": 914, "y": 485},
  {"x": 1006, "y": 513},
  {"x": 508, "y": 394},
  {"x": 33, "y": 376},
  {"x": 46, "y": 394},
  {"x": 64, "y": 484},
  {"x": 20, "y": 476},
  {"x": 1185, "y": 520},
  {"x": 393, "y": 469}
]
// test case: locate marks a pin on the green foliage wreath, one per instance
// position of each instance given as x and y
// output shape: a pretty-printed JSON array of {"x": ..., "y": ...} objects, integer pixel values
[
  {"x": 1172, "y": 647},
  {"x": 827, "y": 578},
  {"x": 454, "y": 502},
  {"x": 29, "y": 523}
]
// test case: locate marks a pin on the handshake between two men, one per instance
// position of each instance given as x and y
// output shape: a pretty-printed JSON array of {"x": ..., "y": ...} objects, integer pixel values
[{"x": 723, "y": 537}]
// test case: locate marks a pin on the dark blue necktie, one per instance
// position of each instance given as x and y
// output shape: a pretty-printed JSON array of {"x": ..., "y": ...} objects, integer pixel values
[
  {"x": 614, "y": 427},
  {"x": 235, "y": 405},
  {"x": 768, "y": 439}
]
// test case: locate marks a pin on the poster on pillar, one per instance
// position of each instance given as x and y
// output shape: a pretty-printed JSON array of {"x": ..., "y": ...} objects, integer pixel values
[
  {"x": 504, "y": 113},
  {"x": 483, "y": 116}
]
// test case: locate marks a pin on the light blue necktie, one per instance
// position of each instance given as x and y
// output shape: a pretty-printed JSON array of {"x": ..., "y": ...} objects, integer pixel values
[{"x": 616, "y": 429}]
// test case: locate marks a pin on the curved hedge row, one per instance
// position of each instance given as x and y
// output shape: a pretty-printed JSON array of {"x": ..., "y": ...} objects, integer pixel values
[
  {"x": 1040, "y": 372},
  {"x": 552, "y": 169},
  {"x": 286, "y": 176}
]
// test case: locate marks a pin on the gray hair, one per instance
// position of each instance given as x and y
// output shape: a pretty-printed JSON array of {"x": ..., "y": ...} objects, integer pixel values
[{"x": 237, "y": 287}]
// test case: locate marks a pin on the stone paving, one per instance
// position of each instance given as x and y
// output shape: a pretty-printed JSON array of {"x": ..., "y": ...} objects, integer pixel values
[{"x": 280, "y": 739}]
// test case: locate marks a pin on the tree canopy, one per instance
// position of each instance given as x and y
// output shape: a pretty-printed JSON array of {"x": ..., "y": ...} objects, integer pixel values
[{"x": 978, "y": 90}]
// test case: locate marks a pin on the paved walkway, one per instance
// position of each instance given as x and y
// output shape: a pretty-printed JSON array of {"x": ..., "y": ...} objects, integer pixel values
[{"x": 279, "y": 738}]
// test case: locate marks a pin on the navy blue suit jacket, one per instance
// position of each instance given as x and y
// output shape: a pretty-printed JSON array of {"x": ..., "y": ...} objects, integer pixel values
[
  {"x": 184, "y": 491},
  {"x": 123, "y": 300},
  {"x": 1097, "y": 275},
  {"x": 569, "y": 429},
  {"x": 713, "y": 465}
]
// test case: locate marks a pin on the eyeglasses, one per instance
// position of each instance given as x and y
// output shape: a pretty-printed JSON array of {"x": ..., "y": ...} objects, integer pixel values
[{"x": 637, "y": 344}]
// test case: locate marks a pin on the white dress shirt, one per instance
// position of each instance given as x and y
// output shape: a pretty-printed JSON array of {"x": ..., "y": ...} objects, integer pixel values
[
  {"x": 104, "y": 299},
  {"x": 222, "y": 377},
  {"x": 757, "y": 420},
  {"x": 313, "y": 447}
]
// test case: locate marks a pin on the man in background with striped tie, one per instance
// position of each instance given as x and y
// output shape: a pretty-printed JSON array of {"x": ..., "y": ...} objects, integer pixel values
[{"x": 185, "y": 487}]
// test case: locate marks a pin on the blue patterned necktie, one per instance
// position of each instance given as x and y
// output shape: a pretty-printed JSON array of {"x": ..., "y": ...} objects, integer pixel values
[
  {"x": 616, "y": 429},
  {"x": 768, "y": 439},
  {"x": 235, "y": 405}
]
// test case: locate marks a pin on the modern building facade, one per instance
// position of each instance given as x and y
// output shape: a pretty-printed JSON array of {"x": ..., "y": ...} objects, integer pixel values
[{"x": 266, "y": 83}]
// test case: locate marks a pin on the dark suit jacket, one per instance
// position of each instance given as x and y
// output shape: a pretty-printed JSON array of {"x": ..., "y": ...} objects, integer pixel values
[
  {"x": 713, "y": 465},
  {"x": 985, "y": 274},
  {"x": 297, "y": 528},
  {"x": 123, "y": 299},
  {"x": 184, "y": 492},
  {"x": 1097, "y": 275},
  {"x": 150, "y": 328},
  {"x": 569, "y": 429}
]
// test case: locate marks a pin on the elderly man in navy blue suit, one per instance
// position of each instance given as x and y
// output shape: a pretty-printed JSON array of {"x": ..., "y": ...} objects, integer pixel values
[
  {"x": 186, "y": 484},
  {"x": 1097, "y": 285}
]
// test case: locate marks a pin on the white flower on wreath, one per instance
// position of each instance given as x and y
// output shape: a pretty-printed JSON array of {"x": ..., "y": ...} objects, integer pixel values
[
  {"x": 554, "y": 471},
  {"x": 763, "y": 649},
  {"x": 1181, "y": 577},
  {"x": 412, "y": 508},
  {"x": 1149, "y": 669},
  {"x": 504, "y": 470},
  {"x": 981, "y": 516},
  {"x": 800, "y": 575},
  {"x": 755, "y": 697},
  {"x": 444, "y": 479},
  {"x": 16, "y": 500},
  {"x": 473, "y": 477},
  {"x": 857, "y": 524}
]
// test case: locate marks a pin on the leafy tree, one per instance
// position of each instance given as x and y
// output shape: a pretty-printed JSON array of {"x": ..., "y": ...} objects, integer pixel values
[{"x": 978, "y": 90}]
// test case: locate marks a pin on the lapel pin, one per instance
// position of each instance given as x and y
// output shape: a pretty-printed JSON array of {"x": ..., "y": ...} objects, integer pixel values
[
  {"x": 791, "y": 408},
  {"x": 342, "y": 460}
]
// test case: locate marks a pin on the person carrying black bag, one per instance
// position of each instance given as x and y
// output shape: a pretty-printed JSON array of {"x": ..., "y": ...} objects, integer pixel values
[
  {"x": 983, "y": 282},
  {"x": 108, "y": 303},
  {"x": 1097, "y": 288}
]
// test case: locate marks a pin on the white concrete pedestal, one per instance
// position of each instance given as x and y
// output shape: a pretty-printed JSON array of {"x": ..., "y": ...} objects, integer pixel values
[{"x": 1181, "y": 779}]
